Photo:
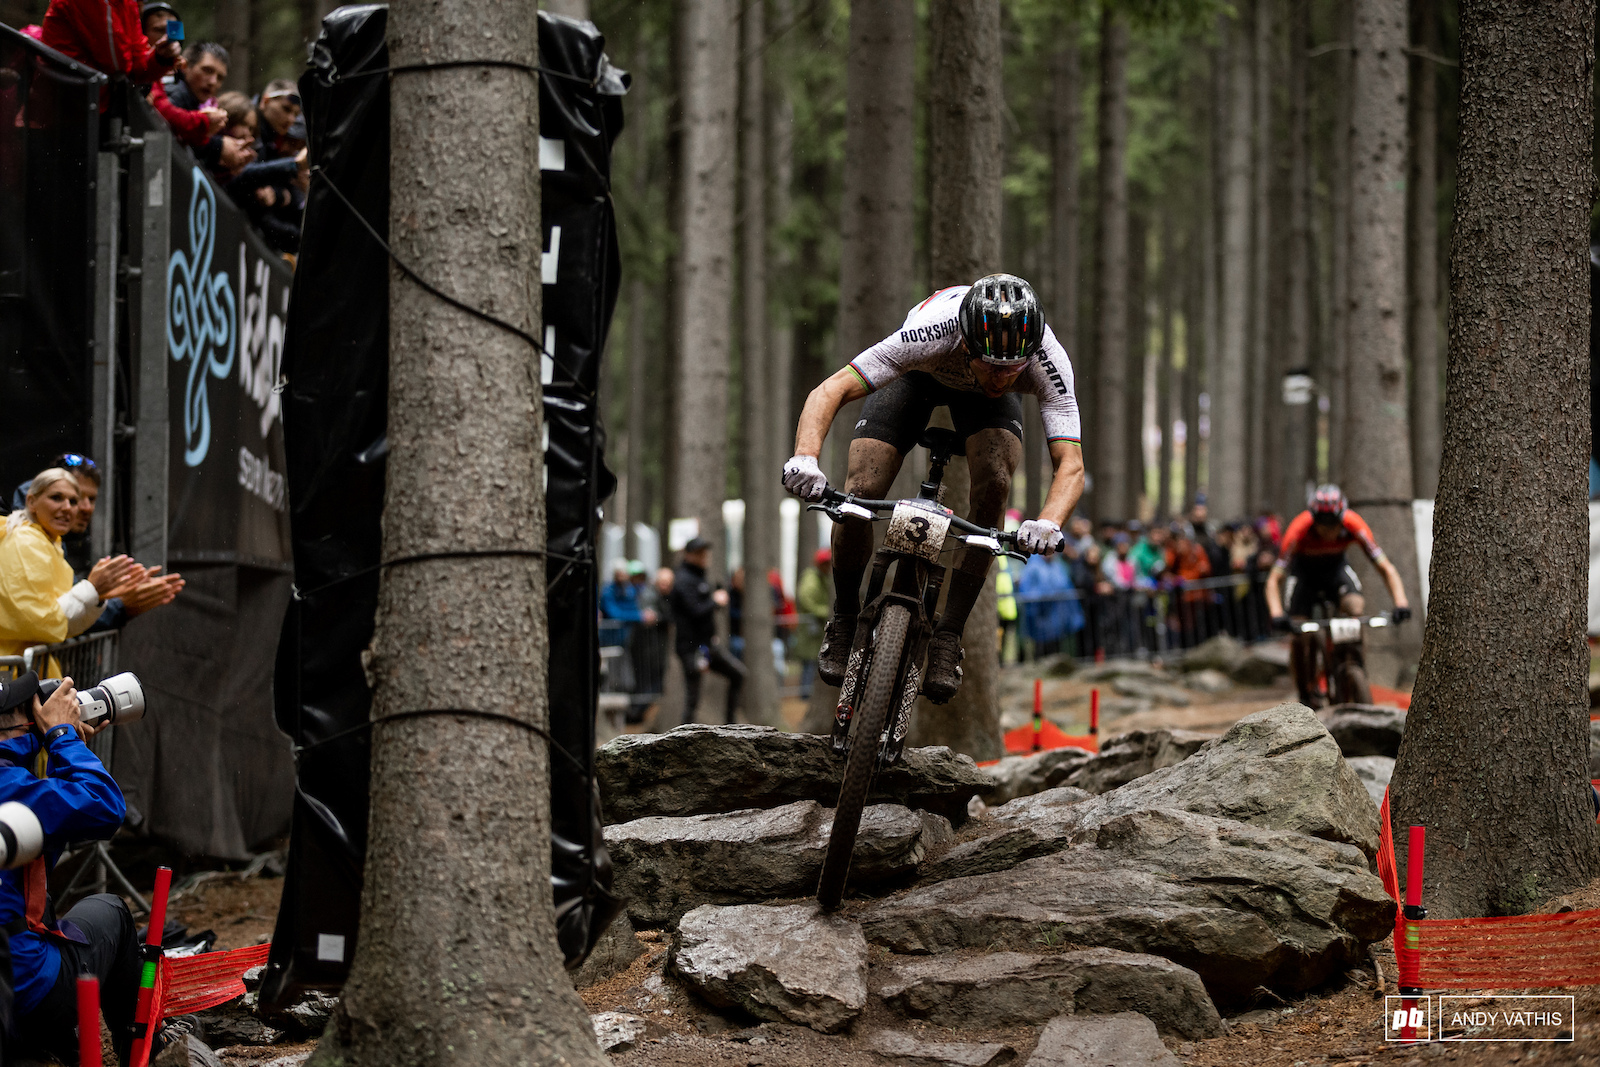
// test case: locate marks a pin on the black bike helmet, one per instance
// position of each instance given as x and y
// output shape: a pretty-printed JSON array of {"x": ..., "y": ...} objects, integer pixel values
[
  {"x": 1001, "y": 320},
  {"x": 1327, "y": 501}
]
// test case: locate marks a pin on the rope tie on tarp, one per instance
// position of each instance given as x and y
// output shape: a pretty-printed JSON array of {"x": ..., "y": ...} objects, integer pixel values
[
  {"x": 1511, "y": 951},
  {"x": 428, "y": 287},
  {"x": 453, "y": 64},
  {"x": 422, "y": 557},
  {"x": 424, "y": 713}
]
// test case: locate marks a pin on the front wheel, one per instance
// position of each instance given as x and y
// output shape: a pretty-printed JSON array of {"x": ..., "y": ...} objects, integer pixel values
[
  {"x": 889, "y": 642},
  {"x": 1351, "y": 680}
]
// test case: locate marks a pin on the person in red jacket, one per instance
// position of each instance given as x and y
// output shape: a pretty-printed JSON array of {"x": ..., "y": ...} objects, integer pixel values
[{"x": 108, "y": 35}]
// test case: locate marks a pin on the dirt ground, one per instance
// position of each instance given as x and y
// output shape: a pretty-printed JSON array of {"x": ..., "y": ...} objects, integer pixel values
[{"x": 1338, "y": 1026}]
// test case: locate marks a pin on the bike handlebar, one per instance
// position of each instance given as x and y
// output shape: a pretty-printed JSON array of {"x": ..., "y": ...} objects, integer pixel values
[{"x": 831, "y": 495}]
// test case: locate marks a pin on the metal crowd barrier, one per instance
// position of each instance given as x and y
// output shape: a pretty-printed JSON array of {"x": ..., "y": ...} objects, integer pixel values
[
  {"x": 88, "y": 660},
  {"x": 633, "y": 664},
  {"x": 1168, "y": 618}
]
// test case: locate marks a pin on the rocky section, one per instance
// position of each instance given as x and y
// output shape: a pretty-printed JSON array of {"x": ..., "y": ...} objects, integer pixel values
[
  {"x": 1018, "y": 989},
  {"x": 617, "y": 1031},
  {"x": 900, "y": 1047},
  {"x": 698, "y": 769},
  {"x": 1374, "y": 772},
  {"x": 1154, "y": 688},
  {"x": 1221, "y": 653},
  {"x": 1365, "y": 729},
  {"x": 1023, "y": 776},
  {"x": 1133, "y": 755},
  {"x": 666, "y": 866},
  {"x": 1277, "y": 768},
  {"x": 616, "y": 949},
  {"x": 1123, "y": 1040},
  {"x": 782, "y": 963},
  {"x": 1207, "y": 680},
  {"x": 1242, "y": 906}
]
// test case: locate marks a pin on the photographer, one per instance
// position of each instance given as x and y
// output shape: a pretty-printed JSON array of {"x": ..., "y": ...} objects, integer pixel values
[{"x": 76, "y": 799}]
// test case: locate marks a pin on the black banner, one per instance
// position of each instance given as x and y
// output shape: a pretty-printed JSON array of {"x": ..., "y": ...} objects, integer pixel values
[{"x": 336, "y": 363}]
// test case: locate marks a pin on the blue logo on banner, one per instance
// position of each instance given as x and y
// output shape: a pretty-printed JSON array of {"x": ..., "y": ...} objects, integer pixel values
[{"x": 200, "y": 318}]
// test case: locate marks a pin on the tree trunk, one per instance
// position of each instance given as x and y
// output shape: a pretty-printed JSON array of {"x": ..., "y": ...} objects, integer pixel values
[
  {"x": 1063, "y": 312},
  {"x": 1206, "y": 377},
  {"x": 760, "y": 486},
  {"x": 1112, "y": 495},
  {"x": 1263, "y": 453},
  {"x": 1495, "y": 757},
  {"x": 1137, "y": 360},
  {"x": 1229, "y": 404},
  {"x": 1164, "y": 370},
  {"x": 1339, "y": 239},
  {"x": 780, "y": 156},
  {"x": 233, "y": 25},
  {"x": 1377, "y": 459},
  {"x": 964, "y": 196},
  {"x": 577, "y": 9},
  {"x": 1422, "y": 252},
  {"x": 457, "y": 891},
  {"x": 1195, "y": 339},
  {"x": 1299, "y": 420},
  {"x": 710, "y": 88}
]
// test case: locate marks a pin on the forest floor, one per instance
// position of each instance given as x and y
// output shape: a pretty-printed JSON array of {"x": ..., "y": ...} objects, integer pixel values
[{"x": 1340, "y": 1025}]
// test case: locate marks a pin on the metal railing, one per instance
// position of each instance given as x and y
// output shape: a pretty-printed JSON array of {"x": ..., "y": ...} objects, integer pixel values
[
  {"x": 88, "y": 659},
  {"x": 633, "y": 663},
  {"x": 1172, "y": 616}
]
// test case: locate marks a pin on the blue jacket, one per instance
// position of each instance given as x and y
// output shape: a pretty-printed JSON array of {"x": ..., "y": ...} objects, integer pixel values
[
  {"x": 77, "y": 801},
  {"x": 620, "y": 602}
]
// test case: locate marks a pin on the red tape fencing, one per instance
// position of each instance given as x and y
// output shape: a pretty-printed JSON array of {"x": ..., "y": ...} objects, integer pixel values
[{"x": 1513, "y": 951}]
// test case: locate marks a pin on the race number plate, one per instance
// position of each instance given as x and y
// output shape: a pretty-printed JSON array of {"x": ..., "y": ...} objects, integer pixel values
[
  {"x": 1345, "y": 631},
  {"x": 916, "y": 531}
]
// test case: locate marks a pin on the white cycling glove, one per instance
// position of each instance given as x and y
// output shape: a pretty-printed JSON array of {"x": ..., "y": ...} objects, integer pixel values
[
  {"x": 1039, "y": 537},
  {"x": 803, "y": 478}
]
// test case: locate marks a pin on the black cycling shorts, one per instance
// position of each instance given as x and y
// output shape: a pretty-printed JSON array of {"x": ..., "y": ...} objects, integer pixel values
[
  {"x": 898, "y": 413},
  {"x": 1310, "y": 584}
]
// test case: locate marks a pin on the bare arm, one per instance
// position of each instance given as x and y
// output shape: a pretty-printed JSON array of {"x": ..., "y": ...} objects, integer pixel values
[
  {"x": 1391, "y": 578},
  {"x": 1066, "y": 486},
  {"x": 1274, "y": 592},
  {"x": 837, "y": 390}
]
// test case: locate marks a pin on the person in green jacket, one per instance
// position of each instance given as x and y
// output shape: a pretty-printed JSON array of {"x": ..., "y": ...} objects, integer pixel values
[{"x": 814, "y": 602}]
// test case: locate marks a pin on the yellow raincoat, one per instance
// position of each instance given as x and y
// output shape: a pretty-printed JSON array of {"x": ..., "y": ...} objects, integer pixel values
[{"x": 33, "y": 576}]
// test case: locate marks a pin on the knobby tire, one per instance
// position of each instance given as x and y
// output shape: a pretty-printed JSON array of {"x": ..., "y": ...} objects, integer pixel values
[
  {"x": 1355, "y": 689},
  {"x": 880, "y": 692}
]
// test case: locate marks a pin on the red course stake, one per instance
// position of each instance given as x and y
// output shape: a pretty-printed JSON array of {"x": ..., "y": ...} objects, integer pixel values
[
  {"x": 1038, "y": 712},
  {"x": 88, "y": 1021},
  {"x": 1094, "y": 713},
  {"x": 144, "y": 1020}
]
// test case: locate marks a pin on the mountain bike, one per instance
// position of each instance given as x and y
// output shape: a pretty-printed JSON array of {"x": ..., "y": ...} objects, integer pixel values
[
  {"x": 1337, "y": 653},
  {"x": 886, "y": 662}
]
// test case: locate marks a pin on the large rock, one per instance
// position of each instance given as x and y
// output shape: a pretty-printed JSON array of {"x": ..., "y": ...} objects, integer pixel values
[
  {"x": 1277, "y": 768},
  {"x": 1366, "y": 729},
  {"x": 667, "y": 866},
  {"x": 1152, "y": 687},
  {"x": 1374, "y": 772},
  {"x": 791, "y": 964},
  {"x": 1023, "y": 776},
  {"x": 1594, "y": 749},
  {"x": 899, "y": 1047},
  {"x": 1262, "y": 664},
  {"x": 699, "y": 769},
  {"x": 1220, "y": 653},
  {"x": 1118, "y": 668},
  {"x": 1123, "y": 1040},
  {"x": 617, "y": 1031},
  {"x": 1133, "y": 755},
  {"x": 1242, "y": 906},
  {"x": 1000, "y": 989},
  {"x": 1207, "y": 680},
  {"x": 616, "y": 950}
]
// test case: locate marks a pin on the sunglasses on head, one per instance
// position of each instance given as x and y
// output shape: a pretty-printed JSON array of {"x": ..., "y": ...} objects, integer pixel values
[
  {"x": 284, "y": 94},
  {"x": 73, "y": 460}
]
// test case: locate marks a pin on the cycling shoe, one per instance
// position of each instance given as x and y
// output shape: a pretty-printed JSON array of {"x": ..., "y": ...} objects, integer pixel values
[
  {"x": 835, "y": 655},
  {"x": 943, "y": 678}
]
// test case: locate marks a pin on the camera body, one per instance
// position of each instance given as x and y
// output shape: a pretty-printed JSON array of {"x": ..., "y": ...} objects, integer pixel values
[{"x": 118, "y": 700}]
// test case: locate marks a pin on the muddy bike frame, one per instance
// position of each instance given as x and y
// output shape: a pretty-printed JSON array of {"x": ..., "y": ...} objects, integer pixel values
[{"x": 897, "y": 621}]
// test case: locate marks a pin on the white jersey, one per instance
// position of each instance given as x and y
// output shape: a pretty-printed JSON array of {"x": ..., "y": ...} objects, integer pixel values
[{"x": 930, "y": 341}]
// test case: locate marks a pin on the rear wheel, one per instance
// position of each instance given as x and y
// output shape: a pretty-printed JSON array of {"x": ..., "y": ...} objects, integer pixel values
[{"x": 873, "y": 711}]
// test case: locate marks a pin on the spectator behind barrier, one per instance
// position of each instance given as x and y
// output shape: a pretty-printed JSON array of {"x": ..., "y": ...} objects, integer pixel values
[
  {"x": 108, "y": 35},
  {"x": 190, "y": 92},
  {"x": 39, "y": 602},
  {"x": 152, "y": 591},
  {"x": 76, "y": 800},
  {"x": 154, "y": 17}
]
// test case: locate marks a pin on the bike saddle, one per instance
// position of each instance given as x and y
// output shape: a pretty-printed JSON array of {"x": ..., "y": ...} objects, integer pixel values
[{"x": 938, "y": 439}]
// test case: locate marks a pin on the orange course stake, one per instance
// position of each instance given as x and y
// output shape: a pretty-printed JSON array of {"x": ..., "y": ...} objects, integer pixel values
[
  {"x": 144, "y": 1022},
  {"x": 1038, "y": 711},
  {"x": 88, "y": 1021}
]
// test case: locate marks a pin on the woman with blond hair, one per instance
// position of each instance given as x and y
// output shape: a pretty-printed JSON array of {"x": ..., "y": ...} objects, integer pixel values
[{"x": 39, "y": 603}]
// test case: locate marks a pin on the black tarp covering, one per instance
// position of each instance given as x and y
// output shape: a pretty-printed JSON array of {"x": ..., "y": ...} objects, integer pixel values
[
  {"x": 336, "y": 361},
  {"x": 49, "y": 137}
]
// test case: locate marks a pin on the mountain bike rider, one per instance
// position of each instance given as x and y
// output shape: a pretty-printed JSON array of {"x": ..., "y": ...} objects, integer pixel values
[
  {"x": 971, "y": 348},
  {"x": 1313, "y": 558}
]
